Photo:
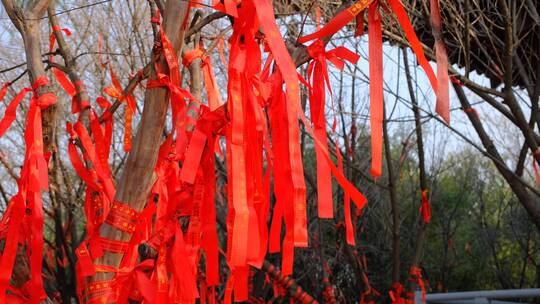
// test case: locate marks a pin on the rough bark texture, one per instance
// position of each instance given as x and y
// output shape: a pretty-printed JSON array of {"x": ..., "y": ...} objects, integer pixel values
[{"x": 137, "y": 177}]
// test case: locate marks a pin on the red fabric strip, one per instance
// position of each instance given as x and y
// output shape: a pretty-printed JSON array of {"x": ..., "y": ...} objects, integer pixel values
[
  {"x": 130, "y": 109},
  {"x": 211, "y": 86},
  {"x": 425, "y": 208},
  {"x": 33, "y": 179},
  {"x": 58, "y": 74},
  {"x": 443, "y": 99},
  {"x": 338, "y": 22},
  {"x": 349, "y": 228},
  {"x": 288, "y": 70},
  {"x": 237, "y": 177},
  {"x": 355, "y": 195},
  {"x": 375, "y": 88},
  {"x": 16, "y": 215},
  {"x": 416, "y": 46},
  {"x": 318, "y": 74},
  {"x": 193, "y": 157},
  {"x": 11, "y": 110},
  {"x": 3, "y": 90}
]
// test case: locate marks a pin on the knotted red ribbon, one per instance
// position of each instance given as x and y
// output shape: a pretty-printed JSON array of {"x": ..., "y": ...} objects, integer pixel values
[
  {"x": 338, "y": 22},
  {"x": 178, "y": 105},
  {"x": 440, "y": 85},
  {"x": 210, "y": 84},
  {"x": 116, "y": 91},
  {"x": 425, "y": 207},
  {"x": 318, "y": 74}
]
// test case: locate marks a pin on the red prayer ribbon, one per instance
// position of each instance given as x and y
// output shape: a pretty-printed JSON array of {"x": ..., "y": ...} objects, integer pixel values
[
  {"x": 25, "y": 207},
  {"x": 443, "y": 100},
  {"x": 318, "y": 72},
  {"x": 338, "y": 22},
  {"x": 375, "y": 87},
  {"x": 425, "y": 208}
]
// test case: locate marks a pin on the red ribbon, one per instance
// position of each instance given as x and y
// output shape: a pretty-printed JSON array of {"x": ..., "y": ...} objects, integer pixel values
[
  {"x": 210, "y": 84},
  {"x": 425, "y": 208},
  {"x": 117, "y": 92},
  {"x": 396, "y": 293},
  {"x": 416, "y": 46},
  {"x": 33, "y": 179},
  {"x": 131, "y": 279},
  {"x": 282, "y": 181},
  {"x": 178, "y": 104},
  {"x": 349, "y": 228},
  {"x": 338, "y": 22},
  {"x": 237, "y": 143},
  {"x": 290, "y": 76},
  {"x": 375, "y": 87},
  {"x": 60, "y": 76},
  {"x": 318, "y": 73},
  {"x": 443, "y": 103},
  {"x": 227, "y": 6}
]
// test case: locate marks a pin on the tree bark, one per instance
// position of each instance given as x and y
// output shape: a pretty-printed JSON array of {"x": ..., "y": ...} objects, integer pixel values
[{"x": 137, "y": 178}]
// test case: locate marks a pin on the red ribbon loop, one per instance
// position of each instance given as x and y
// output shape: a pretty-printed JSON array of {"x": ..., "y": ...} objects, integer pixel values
[{"x": 192, "y": 55}]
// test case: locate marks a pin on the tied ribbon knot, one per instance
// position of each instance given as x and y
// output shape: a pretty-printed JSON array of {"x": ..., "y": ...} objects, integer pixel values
[
  {"x": 46, "y": 99},
  {"x": 178, "y": 94},
  {"x": 337, "y": 55},
  {"x": 318, "y": 74},
  {"x": 191, "y": 55},
  {"x": 179, "y": 108},
  {"x": 117, "y": 92},
  {"x": 439, "y": 84},
  {"x": 210, "y": 84},
  {"x": 43, "y": 101}
]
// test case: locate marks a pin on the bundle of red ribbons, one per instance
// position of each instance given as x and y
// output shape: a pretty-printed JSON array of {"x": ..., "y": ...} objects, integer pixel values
[{"x": 260, "y": 124}]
